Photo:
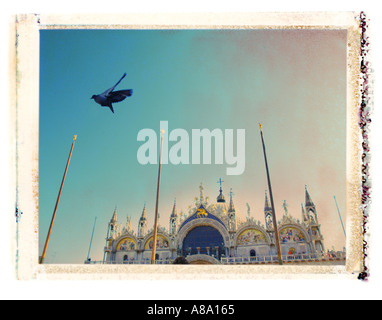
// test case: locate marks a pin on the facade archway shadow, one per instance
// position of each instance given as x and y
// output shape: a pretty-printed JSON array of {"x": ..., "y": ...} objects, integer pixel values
[{"x": 202, "y": 259}]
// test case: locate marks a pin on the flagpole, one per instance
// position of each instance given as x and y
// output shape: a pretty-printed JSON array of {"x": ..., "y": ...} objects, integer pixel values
[
  {"x": 343, "y": 228},
  {"x": 58, "y": 200},
  {"x": 272, "y": 204},
  {"x": 91, "y": 239},
  {"x": 157, "y": 202}
]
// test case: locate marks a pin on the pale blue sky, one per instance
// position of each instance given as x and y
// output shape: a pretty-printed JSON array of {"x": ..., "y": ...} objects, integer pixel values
[{"x": 292, "y": 81}]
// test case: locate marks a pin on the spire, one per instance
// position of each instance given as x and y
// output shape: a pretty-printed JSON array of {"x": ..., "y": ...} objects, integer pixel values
[
  {"x": 308, "y": 199},
  {"x": 268, "y": 213},
  {"x": 142, "y": 224},
  {"x": 267, "y": 206},
  {"x": 310, "y": 208},
  {"x": 114, "y": 218},
  {"x": 174, "y": 213},
  {"x": 231, "y": 215},
  {"x": 173, "y": 220},
  {"x": 231, "y": 206},
  {"x": 304, "y": 217},
  {"x": 143, "y": 216},
  {"x": 220, "y": 198}
]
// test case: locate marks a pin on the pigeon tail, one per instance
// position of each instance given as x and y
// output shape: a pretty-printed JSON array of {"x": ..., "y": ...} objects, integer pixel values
[{"x": 111, "y": 107}]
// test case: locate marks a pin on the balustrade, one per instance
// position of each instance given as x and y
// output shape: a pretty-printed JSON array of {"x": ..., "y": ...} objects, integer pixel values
[{"x": 246, "y": 259}]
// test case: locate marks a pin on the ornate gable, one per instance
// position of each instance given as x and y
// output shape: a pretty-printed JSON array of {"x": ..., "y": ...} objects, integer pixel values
[{"x": 201, "y": 213}]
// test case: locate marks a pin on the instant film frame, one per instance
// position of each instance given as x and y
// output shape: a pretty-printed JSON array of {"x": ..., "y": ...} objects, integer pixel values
[{"x": 25, "y": 101}]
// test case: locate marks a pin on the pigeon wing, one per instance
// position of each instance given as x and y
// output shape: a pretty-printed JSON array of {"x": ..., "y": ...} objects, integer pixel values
[
  {"x": 119, "y": 96},
  {"x": 108, "y": 91}
]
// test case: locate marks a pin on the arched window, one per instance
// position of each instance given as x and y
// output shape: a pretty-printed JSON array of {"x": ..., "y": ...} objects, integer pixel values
[
  {"x": 125, "y": 257},
  {"x": 201, "y": 238},
  {"x": 252, "y": 253}
]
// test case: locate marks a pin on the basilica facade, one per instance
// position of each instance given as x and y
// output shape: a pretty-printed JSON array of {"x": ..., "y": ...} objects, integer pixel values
[{"x": 214, "y": 234}]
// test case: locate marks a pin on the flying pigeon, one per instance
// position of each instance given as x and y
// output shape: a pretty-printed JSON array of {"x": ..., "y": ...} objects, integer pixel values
[{"x": 108, "y": 97}]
